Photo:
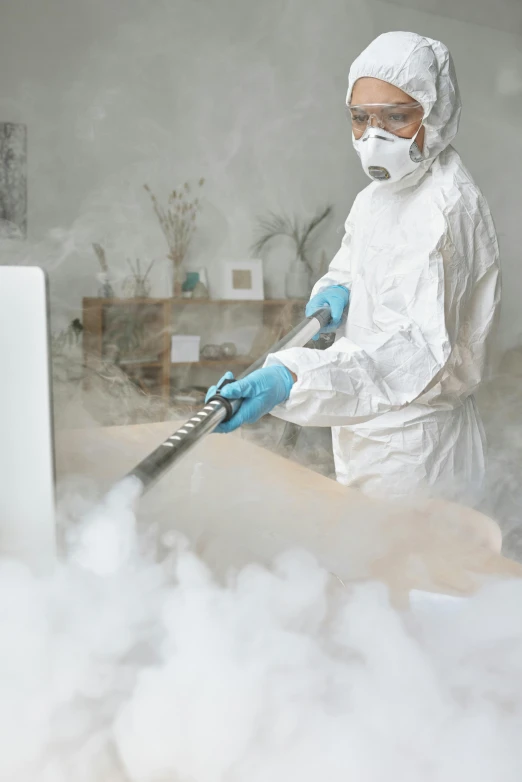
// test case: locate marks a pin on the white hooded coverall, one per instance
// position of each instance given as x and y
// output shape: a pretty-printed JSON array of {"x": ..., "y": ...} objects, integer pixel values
[{"x": 420, "y": 258}]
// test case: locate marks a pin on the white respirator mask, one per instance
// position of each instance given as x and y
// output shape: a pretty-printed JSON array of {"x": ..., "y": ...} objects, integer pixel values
[{"x": 385, "y": 156}]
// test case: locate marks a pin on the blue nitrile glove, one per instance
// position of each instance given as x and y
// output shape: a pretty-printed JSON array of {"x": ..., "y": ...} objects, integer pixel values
[
  {"x": 337, "y": 297},
  {"x": 261, "y": 391}
]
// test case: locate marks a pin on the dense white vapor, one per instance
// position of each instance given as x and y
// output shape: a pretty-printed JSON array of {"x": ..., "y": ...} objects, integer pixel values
[{"x": 119, "y": 667}]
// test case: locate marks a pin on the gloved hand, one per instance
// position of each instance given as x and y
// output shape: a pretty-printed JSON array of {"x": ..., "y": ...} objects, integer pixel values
[
  {"x": 337, "y": 297},
  {"x": 261, "y": 391}
]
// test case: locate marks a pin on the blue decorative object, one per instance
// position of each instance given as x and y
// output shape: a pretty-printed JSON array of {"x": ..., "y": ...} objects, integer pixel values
[{"x": 191, "y": 280}]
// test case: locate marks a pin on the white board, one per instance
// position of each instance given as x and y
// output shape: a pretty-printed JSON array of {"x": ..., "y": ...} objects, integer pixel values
[{"x": 27, "y": 513}]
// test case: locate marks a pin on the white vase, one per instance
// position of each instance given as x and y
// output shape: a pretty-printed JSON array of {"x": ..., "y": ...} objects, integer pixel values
[{"x": 297, "y": 280}]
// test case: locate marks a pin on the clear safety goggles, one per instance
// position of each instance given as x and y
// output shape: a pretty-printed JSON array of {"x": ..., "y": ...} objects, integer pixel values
[{"x": 392, "y": 117}]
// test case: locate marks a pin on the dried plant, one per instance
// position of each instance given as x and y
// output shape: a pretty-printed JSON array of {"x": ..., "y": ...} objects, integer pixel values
[
  {"x": 106, "y": 289},
  {"x": 178, "y": 223},
  {"x": 137, "y": 282},
  {"x": 100, "y": 389},
  {"x": 100, "y": 254},
  {"x": 68, "y": 338},
  {"x": 299, "y": 230},
  {"x": 124, "y": 337},
  {"x": 136, "y": 271}
]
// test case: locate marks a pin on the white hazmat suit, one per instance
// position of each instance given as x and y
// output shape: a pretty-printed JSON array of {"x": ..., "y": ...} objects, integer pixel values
[{"x": 420, "y": 258}]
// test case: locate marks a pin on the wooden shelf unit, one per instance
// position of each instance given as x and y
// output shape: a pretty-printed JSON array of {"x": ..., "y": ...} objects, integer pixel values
[
  {"x": 96, "y": 330},
  {"x": 278, "y": 316}
]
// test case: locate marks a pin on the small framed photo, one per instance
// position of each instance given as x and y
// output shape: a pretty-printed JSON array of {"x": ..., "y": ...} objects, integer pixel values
[{"x": 243, "y": 280}]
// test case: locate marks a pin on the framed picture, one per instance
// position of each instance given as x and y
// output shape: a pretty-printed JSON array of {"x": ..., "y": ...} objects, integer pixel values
[
  {"x": 13, "y": 180},
  {"x": 243, "y": 280}
]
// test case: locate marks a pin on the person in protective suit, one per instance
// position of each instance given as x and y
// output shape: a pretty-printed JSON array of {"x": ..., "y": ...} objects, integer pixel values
[{"x": 414, "y": 292}]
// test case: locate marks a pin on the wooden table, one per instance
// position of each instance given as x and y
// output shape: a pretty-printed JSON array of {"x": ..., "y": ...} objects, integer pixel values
[{"x": 238, "y": 503}]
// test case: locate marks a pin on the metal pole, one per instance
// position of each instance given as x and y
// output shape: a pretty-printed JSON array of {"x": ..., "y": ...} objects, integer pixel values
[{"x": 217, "y": 410}]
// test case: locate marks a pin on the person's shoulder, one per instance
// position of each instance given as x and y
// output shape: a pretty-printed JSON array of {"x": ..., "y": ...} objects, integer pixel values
[
  {"x": 468, "y": 219},
  {"x": 359, "y": 202},
  {"x": 456, "y": 184}
]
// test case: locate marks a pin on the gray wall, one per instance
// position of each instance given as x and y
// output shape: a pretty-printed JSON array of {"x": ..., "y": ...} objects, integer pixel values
[{"x": 249, "y": 95}]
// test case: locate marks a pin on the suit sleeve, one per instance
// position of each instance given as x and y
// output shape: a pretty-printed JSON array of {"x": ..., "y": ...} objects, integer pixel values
[
  {"x": 418, "y": 315},
  {"x": 339, "y": 271}
]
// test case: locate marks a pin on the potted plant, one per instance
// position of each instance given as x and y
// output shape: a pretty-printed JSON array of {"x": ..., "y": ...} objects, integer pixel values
[
  {"x": 298, "y": 277},
  {"x": 178, "y": 223}
]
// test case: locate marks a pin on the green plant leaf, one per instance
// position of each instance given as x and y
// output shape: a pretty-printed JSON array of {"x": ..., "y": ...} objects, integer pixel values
[
  {"x": 269, "y": 227},
  {"x": 309, "y": 228},
  {"x": 281, "y": 225}
]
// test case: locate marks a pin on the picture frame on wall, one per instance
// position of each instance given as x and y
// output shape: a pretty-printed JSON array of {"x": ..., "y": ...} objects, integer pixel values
[
  {"x": 243, "y": 280},
  {"x": 13, "y": 180}
]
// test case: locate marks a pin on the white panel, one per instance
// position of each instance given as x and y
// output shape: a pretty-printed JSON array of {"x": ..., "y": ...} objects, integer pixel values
[{"x": 27, "y": 519}]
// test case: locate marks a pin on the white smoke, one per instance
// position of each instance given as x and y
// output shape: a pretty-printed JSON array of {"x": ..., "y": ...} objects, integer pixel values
[{"x": 122, "y": 667}]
